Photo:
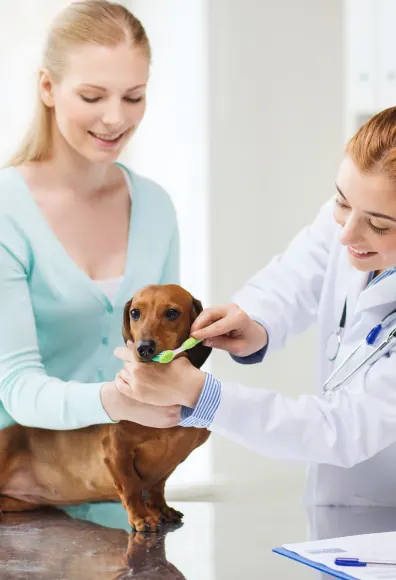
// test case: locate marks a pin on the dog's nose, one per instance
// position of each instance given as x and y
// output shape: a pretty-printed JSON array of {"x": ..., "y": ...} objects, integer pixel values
[{"x": 146, "y": 348}]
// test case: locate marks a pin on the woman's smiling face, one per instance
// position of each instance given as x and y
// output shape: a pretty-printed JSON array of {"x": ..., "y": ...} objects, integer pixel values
[
  {"x": 365, "y": 208},
  {"x": 100, "y": 100}
]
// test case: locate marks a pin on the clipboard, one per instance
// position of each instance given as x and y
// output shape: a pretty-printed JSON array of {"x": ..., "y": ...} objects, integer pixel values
[{"x": 312, "y": 564}]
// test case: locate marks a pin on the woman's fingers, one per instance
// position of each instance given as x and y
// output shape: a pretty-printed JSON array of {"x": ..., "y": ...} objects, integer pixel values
[
  {"x": 122, "y": 386},
  {"x": 124, "y": 353}
]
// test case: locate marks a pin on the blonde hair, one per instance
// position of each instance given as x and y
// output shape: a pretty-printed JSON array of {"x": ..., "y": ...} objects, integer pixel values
[
  {"x": 373, "y": 148},
  {"x": 83, "y": 22}
]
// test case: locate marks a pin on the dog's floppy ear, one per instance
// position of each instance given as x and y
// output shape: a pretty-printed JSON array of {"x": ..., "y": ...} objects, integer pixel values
[
  {"x": 126, "y": 325},
  {"x": 197, "y": 355}
]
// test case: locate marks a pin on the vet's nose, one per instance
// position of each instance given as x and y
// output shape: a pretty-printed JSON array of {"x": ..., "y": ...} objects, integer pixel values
[{"x": 146, "y": 348}]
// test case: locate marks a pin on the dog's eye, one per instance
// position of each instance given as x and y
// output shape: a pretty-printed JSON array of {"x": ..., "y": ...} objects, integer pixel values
[
  {"x": 135, "y": 314},
  {"x": 172, "y": 314}
]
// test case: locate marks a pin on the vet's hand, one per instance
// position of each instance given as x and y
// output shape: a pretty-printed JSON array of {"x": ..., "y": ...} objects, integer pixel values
[
  {"x": 119, "y": 407},
  {"x": 229, "y": 328},
  {"x": 175, "y": 383}
]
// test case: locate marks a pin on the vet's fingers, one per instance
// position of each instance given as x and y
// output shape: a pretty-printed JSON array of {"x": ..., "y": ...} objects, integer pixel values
[
  {"x": 214, "y": 322},
  {"x": 207, "y": 317},
  {"x": 230, "y": 345},
  {"x": 170, "y": 416}
]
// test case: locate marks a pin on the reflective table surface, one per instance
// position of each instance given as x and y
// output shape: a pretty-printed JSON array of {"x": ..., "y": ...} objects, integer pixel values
[{"x": 224, "y": 540}]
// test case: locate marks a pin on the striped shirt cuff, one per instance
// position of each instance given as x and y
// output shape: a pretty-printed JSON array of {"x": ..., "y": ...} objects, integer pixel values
[
  {"x": 251, "y": 359},
  {"x": 255, "y": 357},
  {"x": 207, "y": 405}
]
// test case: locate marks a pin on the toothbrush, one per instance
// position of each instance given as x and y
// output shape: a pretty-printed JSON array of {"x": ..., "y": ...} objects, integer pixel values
[{"x": 167, "y": 356}]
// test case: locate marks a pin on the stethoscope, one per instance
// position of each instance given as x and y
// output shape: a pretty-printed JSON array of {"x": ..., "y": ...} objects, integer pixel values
[{"x": 334, "y": 343}]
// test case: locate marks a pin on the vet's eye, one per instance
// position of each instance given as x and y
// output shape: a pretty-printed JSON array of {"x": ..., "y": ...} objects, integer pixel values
[
  {"x": 172, "y": 314},
  {"x": 135, "y": 314}
]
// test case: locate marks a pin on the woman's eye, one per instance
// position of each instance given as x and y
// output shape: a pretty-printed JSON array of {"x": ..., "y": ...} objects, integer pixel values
[
  {"x": 172, "y": 314},
  {"x": 379, "y": 230},
  {"x": 340, "y": 203},
  {"x": 90, "y": 99},
  {"x": 135, "y": 314},
  {"x": 135, "y": 100},
  {"x": 96, "y": 99}
]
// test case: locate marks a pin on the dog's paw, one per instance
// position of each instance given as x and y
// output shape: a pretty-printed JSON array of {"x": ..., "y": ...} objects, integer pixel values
[
  {"x": 169, "y": 514},
  {"x": 148, "y": 523}
]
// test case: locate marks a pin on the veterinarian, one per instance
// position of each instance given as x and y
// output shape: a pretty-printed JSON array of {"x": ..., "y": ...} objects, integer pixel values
[
  {"x": 339, "y": 272},
  {"x": 79, "y": 233}
]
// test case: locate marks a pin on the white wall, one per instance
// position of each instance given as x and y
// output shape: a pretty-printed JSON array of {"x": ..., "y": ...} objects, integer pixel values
[
  {"x": 23, "y": 27},
  {"x": 276, "y": 135}
]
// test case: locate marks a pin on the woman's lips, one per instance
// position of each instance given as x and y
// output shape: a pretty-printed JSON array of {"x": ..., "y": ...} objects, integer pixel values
[{"x": 360, "y": 254}]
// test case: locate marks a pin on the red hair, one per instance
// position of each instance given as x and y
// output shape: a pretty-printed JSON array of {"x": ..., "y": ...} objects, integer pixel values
[{"x": 373, "y": 148}]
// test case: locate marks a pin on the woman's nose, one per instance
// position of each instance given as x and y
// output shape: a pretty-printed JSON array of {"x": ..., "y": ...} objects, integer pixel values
[
  {"x": 351, "y": 232},
  {"x": 113, "y": 114}
]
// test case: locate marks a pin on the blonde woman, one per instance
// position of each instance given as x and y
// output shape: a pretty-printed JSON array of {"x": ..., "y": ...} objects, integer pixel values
[{"x": 79, "y": 233}]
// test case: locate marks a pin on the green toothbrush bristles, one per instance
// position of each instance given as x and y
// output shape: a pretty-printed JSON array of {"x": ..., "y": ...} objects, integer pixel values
[{"x": 166, "y": 356}]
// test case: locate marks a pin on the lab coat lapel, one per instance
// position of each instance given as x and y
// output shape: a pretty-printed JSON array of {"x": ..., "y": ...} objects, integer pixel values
[
  {"x": 350, "y": 283},
  {"x": 384, "y": 292}
]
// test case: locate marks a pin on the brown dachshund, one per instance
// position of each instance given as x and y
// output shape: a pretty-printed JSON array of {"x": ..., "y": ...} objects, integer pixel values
[{"x": 121, "y": 461}]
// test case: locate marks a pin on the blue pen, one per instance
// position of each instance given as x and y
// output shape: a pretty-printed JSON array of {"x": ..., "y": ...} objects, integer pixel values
[{"x": 361, "y": 563}]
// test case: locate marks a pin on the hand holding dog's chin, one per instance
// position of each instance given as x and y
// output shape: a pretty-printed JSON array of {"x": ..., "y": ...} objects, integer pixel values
[
  {"x": 176, "y": 383},
  {"x": 119, "y": 407}
]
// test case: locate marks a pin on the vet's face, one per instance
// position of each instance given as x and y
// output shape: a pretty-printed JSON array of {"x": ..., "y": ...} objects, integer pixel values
[
  {"x": 159, "y": 318},
  {"x": 365, "y": 208}
]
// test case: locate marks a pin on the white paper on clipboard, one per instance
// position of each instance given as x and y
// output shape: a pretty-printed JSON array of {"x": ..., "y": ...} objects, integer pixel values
[{"x": 378, "y": 546}]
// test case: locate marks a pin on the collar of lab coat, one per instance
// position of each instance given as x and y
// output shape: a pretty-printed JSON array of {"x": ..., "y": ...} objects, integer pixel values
[{"x": 361, "y": 298}]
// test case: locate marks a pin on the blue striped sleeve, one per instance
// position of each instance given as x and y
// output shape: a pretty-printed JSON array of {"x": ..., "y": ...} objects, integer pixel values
[
  {"x": 255, "y": 357},
  {"x": 251, "y": 359},
  {"x": 207, "y": 405}
]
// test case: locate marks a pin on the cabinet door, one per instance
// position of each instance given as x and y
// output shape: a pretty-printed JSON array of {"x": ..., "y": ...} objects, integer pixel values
[
  {"x": 387, "y": 53},
  {"x": 360, "y": 41}
]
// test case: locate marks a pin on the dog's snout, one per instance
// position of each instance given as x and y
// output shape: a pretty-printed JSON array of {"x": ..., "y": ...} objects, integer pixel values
[{"x": 146, "y": 348}]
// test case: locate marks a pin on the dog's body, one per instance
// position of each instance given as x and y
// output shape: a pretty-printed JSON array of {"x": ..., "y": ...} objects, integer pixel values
[{"x": 106, "y": 462}]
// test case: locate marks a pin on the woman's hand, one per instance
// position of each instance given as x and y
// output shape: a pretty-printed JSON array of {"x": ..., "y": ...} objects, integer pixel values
[
  {"x": 119, "y": 407},
  {"x": 175, "y": 383},
  {"x": 229, "y": 328}
]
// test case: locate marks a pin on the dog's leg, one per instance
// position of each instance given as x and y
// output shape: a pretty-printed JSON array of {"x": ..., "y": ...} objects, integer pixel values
[
  {"x": 10, "y": 504},
  {"x": 156, "y": 502},
  {"x": 130, "y": 488}
]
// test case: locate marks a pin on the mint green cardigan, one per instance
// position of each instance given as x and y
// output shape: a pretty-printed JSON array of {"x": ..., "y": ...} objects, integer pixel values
[{"x": 58, "y": 330}]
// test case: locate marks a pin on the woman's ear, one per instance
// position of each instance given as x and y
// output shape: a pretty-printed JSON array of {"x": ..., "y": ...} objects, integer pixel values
[
  {"x": 197, "y": 355},
  {"x": 46, "y": 88},
  {"x": 126, "y": 326}
]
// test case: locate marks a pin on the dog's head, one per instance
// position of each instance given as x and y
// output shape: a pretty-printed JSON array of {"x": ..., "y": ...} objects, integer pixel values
[{"x": 159, "y": 318}]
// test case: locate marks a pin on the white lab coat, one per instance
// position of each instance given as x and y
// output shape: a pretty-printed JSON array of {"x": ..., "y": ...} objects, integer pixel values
[{"x": 350, "y": 440}]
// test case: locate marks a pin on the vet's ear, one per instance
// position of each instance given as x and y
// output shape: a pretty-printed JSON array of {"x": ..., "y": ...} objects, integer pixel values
[
  {"x": 197, "y": 355},
  {"x": 126, "y": 325}
]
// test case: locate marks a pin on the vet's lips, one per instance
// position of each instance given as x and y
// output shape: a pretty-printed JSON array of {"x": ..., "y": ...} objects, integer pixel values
[{"x": 360, "y": 254}]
